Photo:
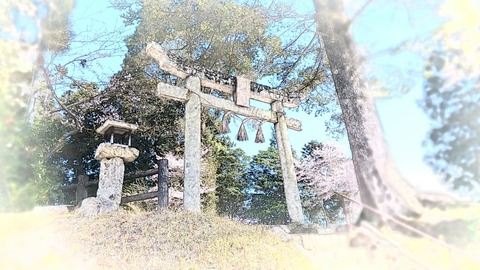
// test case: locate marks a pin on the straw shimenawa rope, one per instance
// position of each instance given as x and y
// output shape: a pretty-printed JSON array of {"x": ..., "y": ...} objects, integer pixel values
[
  {"x": 259, "y": 138},
  {"x": 224, "y": 129},
  {"x": 242, "y": 132}
]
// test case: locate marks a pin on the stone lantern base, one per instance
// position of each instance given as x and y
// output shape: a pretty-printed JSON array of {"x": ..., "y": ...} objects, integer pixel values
[
  {"x": 112, "y": 168},
  {"x": 96, "y": 205}
]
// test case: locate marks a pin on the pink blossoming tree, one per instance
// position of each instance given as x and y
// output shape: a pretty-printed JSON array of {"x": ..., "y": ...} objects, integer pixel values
[{"x": 329, "y": 172}]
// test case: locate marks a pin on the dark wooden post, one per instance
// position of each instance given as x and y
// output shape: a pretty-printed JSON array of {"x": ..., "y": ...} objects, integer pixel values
[
  {"x": 163, "y": 182},
  {"x": 81, "y": 192}
]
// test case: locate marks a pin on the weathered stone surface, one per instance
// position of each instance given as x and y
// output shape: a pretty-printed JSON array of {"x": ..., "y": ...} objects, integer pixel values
[
  {"x": 90, "y": 206},
  {"x": 242, "y": 92},
  {"x": 116, "y": 124},
  {"x": 108, "y": 150},
  {"x": 257, "y": 91},
  {"x": 191, "y": 200},
  {"x": 112, "y": 168},
  {"x": 292, "y": 194},
  {"x": 96, "y": 205},
  {"x": 180, "y": 94},
  {"x": 111, "y": 179}
]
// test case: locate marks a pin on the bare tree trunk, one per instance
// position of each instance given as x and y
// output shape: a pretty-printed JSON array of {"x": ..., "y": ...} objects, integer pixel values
[
  {"x": 344, "y": 209},
  {"x": 381, "y": 185},
  {"x": 81, "y": 193},
  {"x": 325, "y": 213}
]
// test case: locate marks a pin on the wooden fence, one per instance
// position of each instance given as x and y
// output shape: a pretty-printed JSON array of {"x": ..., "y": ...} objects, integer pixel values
[{"x": 162, "y": 192}]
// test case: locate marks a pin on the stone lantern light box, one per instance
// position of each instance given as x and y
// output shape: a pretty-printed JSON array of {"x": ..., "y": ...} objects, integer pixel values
[{"x": 116, "y": 132}]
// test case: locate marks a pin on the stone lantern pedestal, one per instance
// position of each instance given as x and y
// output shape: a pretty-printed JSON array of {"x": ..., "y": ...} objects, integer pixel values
[
  {"x": 112, "y": 156},
  {"x": 112, "y": 169}
]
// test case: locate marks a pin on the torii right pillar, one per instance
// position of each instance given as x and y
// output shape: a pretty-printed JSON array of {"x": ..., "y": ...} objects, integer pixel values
[{"x": 292, "y": 194}]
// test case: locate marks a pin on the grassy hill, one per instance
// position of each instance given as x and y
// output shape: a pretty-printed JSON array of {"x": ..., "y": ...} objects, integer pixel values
[
  {"x": 147, "y": 240},
  {"x": 179, "y": 240}
]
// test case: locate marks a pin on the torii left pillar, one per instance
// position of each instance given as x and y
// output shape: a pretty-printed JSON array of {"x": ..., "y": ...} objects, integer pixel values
[{"x": 193, "y": 110}]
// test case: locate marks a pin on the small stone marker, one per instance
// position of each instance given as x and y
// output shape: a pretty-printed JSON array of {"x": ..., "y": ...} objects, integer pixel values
[{"x": 112, "y": 155}]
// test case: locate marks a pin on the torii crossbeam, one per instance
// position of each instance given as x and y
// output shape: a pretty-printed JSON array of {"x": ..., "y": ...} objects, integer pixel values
[{"x": 242, "y": 90}]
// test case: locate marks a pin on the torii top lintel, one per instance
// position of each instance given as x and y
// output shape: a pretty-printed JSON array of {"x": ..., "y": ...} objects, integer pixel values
[{"x": 243, "y": 90}]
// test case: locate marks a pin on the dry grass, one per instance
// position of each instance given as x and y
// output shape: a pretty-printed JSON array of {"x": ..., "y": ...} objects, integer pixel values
[
  {"x": 179, "y": 240},
  {"x": 148, "y": 240},
  {"x": 30, "y": 241}
]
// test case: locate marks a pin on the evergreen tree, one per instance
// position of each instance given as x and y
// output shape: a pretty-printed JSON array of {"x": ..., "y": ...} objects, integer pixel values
[
  {"x": 266, "y": 196},
  {"x": 231, "y": 184}
]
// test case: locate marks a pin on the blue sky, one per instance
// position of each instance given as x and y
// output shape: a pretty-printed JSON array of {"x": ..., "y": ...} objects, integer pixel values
[{"x": 383, "y": 25}]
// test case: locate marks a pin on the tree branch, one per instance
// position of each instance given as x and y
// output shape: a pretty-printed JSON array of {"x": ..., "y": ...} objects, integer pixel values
[
  {"x": 360, "y": 11},
  {"x": 61, "y": 142},
  {"x": 52, "y": 90}
]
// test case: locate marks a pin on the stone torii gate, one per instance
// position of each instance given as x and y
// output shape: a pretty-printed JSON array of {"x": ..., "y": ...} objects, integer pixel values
[{"x": 242, "y": 90}]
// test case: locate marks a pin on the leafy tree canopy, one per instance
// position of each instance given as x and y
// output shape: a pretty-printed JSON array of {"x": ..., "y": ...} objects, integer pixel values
[
  {"x": 245, "y": 39},
  {"x": 452, "y": 97}
]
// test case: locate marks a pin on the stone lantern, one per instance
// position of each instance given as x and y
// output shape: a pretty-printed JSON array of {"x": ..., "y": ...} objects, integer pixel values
[
  {"x": 113, "y": 154},
  {"x": 117, "y": 132}
]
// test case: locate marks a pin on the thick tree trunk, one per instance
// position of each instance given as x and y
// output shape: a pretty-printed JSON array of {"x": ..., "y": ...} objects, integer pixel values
[{"x": 381, "y": 186}]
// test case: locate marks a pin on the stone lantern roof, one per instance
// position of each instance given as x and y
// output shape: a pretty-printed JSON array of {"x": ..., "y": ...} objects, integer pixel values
[
  {"x": 116, "y": 132},
  {"x": 117, "y": 126}
]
